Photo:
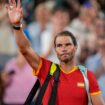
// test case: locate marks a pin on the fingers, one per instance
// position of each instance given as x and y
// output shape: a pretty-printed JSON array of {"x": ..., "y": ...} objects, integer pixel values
[
  {"x": 19, "y": 4},
  {"x": 10, "y": 2},
  {"x": 14, "y": 2}
]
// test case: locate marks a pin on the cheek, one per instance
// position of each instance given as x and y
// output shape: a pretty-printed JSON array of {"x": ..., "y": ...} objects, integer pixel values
[
  {"x": 58, "y": 52},
  {"x": 71, "y": 49}
]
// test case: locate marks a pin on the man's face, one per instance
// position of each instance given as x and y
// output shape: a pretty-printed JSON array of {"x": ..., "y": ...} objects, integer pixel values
[
  {"x": 61, "y": 19},
  {"x": 42, "y": 14},
  {"x": 65, "y": 48}
]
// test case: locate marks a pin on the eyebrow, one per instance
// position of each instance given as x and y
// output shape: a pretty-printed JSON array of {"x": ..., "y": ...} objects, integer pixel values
[{"x": 69, "y": 43}]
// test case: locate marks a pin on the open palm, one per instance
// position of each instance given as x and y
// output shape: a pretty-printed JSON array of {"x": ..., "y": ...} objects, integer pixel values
[{"x": 14, "y": 11}]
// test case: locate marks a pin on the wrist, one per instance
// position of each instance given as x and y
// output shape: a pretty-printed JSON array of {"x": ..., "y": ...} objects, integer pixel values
[{"x": 17, "y": 26}]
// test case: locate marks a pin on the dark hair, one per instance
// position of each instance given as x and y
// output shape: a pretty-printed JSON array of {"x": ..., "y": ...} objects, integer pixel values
[
  {"x": 66, "y": 33},
  {"x": 60, "y": 8}
]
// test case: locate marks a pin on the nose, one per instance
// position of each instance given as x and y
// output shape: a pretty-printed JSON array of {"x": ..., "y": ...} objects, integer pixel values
[{"x": 64, "y": 48}]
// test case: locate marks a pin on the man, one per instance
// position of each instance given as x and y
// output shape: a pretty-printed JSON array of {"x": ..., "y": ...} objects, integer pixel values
[{"x": 71, "y": 89}]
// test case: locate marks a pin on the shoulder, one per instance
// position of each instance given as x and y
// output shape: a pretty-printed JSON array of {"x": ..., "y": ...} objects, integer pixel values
[
  {"x": 90, "y": 73},
  {"x": 46, "y": 64},
  {"x": 43, "y": 67},
  {"x": 91, "y": 76},
  {"x": 93, "y": 84},
  {"x": 44, "y": 60}
]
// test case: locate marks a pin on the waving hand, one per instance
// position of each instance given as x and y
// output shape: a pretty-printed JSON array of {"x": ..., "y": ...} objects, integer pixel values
[{"x": 14, "y": 12}]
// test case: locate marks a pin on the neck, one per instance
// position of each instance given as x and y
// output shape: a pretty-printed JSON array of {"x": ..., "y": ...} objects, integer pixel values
[{"x": 68, "y": 66}]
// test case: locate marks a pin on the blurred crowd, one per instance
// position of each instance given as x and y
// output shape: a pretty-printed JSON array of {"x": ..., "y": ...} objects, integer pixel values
[{"x": 42, "y": 20}]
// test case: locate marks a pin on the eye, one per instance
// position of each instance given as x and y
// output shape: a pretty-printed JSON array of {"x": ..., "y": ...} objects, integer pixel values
[
  {"x": 59, "y": 45},
  {"x": 68, "y": 44}
]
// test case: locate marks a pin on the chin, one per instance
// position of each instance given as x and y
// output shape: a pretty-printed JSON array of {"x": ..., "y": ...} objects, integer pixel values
[{"x": 65, "y": 60}]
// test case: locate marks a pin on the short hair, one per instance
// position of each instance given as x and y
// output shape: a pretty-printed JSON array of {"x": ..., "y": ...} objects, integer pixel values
[
  {"x": 40, "y": 6},
  {"x": 60, "y": 8},
  {"x": 66, "y": 33}
]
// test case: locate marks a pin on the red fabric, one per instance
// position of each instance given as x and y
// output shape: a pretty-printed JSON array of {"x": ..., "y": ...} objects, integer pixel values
[{"x": 70, "y": 90}]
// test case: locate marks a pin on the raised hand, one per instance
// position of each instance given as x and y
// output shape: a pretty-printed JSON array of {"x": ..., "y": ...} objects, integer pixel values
[{"x": 14, "y": 12}]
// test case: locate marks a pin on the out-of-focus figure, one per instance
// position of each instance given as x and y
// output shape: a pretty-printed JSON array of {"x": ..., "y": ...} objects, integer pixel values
[
  {"x": 97, "y": 62},
  {"x": 7, "y": 45},
  {"x": 83, "y": 25},
  {"x": 40, "y": 23},
  {"x": 99, "y": 25},
  {"x": 19, "y": 81},
  {"x": 6, "y": 38}
]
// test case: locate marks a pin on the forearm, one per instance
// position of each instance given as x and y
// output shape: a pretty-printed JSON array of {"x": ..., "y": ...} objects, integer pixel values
[
  {"x": 25, "y": 48},
  {"x": 97, "y": 100},
  {"x": 21, "y": 40}
]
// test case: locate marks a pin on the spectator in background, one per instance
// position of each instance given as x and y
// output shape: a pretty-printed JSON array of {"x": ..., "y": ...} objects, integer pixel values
[
  {"x": 97, "y": 62},
  {"x": 19, "y": 81},
  {"x": 59, "y": 21},
  {"x": 34, "y": 29},
  {"x": 1, "y": 88},
  {"x": 92, "y": 43},
  {"x": 100, "y": 71},
  {"x": 102, "y": 5},
  {"x": 8, "y": 49},
  {"x": 99, "y": 25},
  {"x": 28, "y": 8},
  {"x": 99, "y": 29},
  {"x": 83, "y": 25},
  {"x": 84, "y": 53},
  {"x": 7, "y": 45},
  {"x": 6, "y": 38},
  {"x": 73, "y": 5}
]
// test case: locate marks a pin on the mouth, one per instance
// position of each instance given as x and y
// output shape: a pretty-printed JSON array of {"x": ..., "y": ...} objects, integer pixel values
[{"x": 64, "y": 54}]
